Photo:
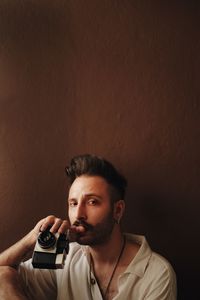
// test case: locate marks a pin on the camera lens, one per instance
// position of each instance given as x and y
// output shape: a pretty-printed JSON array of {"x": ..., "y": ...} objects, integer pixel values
[{"x": 46, "y": 239}]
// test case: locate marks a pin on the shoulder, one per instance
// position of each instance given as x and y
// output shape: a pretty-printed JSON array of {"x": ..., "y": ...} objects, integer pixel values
[
  {"x": 160, "y": 266},
  {"x": 160, "y": 277},
  {"x": 147, "y": 262},
  {"x": 155, "y": 274}
]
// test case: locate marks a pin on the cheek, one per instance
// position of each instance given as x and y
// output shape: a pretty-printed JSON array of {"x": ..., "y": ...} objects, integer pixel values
[
  {"x": 99, "y": 216},
  {"x": 71, "y": 215}
]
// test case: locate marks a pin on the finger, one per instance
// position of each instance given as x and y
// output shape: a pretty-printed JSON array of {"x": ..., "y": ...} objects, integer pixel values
[
  {"x": 64, "y": 227},
  {"x": 56, "y": 225},
  {"x": 48, "y": 221},
  {"x": 38, "y": 226}
]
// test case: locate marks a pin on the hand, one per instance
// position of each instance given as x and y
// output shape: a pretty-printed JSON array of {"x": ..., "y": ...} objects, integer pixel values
[
  {"x": 23, "y": 249},
  {"x": 57, "y": 225}
]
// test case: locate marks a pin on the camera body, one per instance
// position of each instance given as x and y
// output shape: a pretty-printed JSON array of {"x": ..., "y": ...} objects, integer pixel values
[{"x": 50, "y": 250}]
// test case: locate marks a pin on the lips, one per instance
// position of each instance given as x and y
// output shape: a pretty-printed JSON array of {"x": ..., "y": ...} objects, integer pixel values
[
  {"x": 73, "y": 235},
  {"x": 84, "y": 224}
]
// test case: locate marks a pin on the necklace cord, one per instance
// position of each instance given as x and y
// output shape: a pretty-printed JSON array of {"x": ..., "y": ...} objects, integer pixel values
[{"x": 115, "y": 267}]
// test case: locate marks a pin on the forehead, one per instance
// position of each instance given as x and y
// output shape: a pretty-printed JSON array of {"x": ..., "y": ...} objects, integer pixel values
[{"x": 89, "y": 184}]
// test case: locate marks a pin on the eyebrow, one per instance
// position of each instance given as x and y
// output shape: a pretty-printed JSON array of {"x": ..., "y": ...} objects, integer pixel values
[{"x": 87, "y": 196}]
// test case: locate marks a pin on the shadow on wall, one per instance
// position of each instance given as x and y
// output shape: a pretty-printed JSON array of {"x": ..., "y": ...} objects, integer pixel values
[{"x": 169, "y": 232}]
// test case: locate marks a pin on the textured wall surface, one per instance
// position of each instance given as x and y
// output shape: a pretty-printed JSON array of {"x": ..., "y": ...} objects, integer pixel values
[{"x": 116, "y": 78}]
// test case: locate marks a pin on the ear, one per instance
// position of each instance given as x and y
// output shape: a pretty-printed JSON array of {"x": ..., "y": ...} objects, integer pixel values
[{"x": 119, "y": 208}]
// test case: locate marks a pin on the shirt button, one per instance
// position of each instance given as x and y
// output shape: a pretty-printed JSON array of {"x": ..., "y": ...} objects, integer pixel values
[{"x": 92, "y": 281}]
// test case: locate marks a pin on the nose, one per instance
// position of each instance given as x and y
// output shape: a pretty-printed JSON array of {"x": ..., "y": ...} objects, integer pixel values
[{"x": 81, "y": 212}]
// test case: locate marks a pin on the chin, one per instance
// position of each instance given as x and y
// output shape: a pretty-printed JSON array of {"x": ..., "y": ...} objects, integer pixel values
[
  {"x": 92, "y": 241},
  {"x": 84, "y": 241}
]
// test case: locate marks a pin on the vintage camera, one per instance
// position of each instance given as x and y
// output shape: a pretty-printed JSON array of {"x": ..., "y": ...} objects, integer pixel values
[{"x": 50, "y": 250}]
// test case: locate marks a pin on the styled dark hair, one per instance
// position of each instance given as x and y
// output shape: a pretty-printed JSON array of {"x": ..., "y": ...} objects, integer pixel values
[{"x": 92, "y": 165}]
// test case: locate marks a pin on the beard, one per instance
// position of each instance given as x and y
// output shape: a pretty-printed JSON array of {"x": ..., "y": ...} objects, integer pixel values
[{"x": 97, "y": 234}]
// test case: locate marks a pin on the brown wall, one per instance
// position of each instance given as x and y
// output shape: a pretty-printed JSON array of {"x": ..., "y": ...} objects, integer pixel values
[{"x": 115, "y": 78}]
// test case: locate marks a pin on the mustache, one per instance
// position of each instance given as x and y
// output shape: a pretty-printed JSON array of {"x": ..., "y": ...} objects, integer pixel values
[{"x": 84, "y": 224}]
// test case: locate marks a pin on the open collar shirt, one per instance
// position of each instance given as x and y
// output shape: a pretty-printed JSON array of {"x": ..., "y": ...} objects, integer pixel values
[{"x": 148, "y": 277}]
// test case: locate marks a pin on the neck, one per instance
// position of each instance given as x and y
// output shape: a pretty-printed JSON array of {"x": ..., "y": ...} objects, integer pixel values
[{"x": 107, "y": 252}]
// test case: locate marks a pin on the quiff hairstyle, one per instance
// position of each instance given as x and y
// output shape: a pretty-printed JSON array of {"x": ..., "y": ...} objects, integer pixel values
[{"x": 92, "y": 165}]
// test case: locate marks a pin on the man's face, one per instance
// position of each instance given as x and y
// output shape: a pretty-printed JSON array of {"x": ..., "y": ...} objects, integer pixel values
[{"x": 90, "y": 206}]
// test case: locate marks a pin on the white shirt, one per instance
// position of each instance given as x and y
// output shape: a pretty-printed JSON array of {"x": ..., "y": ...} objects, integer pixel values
[{"x": 148, "y": 277}]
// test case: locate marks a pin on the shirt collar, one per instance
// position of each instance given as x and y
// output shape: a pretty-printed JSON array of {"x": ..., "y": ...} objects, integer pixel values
[{"x": 140, "y": 261}]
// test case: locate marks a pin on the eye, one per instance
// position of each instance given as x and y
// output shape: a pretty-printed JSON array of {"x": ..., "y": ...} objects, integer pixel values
[
  {"x": 72, "y": 203},
  {"x": 92, "y": 201}
]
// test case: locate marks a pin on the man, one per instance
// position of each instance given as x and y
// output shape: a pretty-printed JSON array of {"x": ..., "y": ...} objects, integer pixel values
[{"x": 103, "y": 262}]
